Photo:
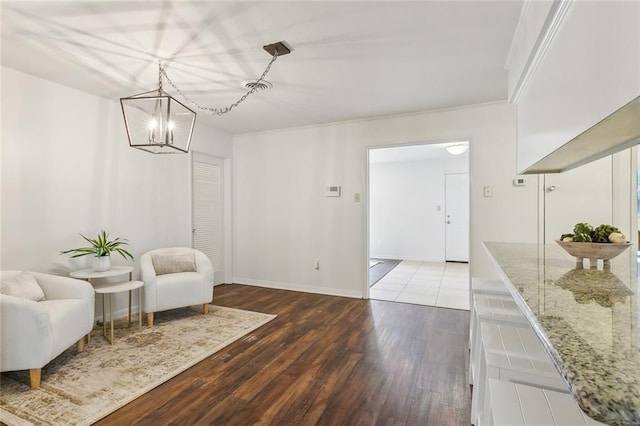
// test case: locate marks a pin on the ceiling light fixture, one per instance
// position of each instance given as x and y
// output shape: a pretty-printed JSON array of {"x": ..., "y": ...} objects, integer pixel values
[
  {"x": 457, "y": 148},
  {"x": 158, "y": 123}
]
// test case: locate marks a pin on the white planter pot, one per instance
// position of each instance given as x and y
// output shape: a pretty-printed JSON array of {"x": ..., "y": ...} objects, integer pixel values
[{"x": 101, "y": 263}]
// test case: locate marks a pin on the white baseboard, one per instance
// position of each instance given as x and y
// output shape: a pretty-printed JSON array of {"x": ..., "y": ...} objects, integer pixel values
[
  {"x": 299, "y": 287},
  {"x": 411, "y": 258},
  {"x": 124, "y": 311}
]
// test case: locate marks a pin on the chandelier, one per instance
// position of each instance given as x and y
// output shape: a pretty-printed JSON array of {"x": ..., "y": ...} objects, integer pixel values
[{"x": 157, "y": 122}]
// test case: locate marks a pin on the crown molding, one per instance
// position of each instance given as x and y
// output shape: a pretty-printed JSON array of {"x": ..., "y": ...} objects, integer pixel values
[
  {"x": 517, "y": 34},
  {"x": 552, "y": 24}
]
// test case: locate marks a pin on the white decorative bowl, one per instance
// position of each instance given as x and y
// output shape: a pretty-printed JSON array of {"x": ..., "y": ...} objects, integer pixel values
[{"x": 593, "y": 252}]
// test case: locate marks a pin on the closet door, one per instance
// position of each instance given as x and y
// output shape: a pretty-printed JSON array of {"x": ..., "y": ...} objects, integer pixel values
[{"x": 208, "y": 210}]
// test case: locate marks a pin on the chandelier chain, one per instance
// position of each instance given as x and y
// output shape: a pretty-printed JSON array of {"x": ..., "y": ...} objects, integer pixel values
[{"x": 216, "y": 111}]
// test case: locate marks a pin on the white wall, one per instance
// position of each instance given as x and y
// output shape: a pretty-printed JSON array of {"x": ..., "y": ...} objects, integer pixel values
[
  {"x": 67, "y": 168},
  {"x": 404, "y": 196},
  {"x": 283, "y": 222},
  {"x": 600, "y": 192},
  {"x": 583, "y": 194}
]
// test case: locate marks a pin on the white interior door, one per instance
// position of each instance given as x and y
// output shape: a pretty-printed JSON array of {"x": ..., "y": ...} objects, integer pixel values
[
  {"x": 208, "y": 210},
  {"x": 457, "y": 217}
]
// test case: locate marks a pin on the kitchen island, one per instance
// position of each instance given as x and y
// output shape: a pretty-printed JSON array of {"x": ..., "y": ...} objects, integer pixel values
[{"x": 587, "y": 319}]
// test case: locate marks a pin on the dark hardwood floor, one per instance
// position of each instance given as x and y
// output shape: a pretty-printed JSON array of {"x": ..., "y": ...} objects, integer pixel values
[{"x": 324, "y": 360}]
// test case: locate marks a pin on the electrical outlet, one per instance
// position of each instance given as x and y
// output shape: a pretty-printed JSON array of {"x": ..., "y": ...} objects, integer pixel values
[
  {"x": 487, "y": 191},
  {"x": 356, "y": 197}
]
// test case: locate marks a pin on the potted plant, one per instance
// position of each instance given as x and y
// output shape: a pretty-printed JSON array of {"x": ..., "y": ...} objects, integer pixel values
[{"x": 101, "y": 248}]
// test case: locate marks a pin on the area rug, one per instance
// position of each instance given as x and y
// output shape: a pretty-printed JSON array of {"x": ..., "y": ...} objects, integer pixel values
[{"x": 81, "y": 388}]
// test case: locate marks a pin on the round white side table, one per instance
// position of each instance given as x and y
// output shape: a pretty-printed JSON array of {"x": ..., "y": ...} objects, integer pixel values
[
  {"x": 110, "y": 289},
  {"x": 89, "y": 274}
]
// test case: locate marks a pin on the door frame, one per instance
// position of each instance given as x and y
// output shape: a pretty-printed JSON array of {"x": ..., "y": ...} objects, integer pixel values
[
  {"x": 227, "y": 224},
  {"x": 366, "y": 198}
]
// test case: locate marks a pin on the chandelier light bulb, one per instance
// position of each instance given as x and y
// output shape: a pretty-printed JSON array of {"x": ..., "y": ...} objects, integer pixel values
[
  {"x": 171, "y": 126},
  {"x": 152, "y": 130}
]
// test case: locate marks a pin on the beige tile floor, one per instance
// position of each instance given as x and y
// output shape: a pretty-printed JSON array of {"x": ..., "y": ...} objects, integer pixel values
[{"x": 425, "y": 283}]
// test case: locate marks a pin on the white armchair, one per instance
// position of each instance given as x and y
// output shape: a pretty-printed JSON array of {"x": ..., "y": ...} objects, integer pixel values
[
  {"x": 33, "y": 333},
  {"x": 175, "y": 277}
]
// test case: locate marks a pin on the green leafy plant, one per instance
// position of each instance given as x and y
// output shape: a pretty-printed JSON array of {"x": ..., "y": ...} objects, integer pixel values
[
  {"x": 585, "y": 233},
  {"x": 101, "y": 246}
]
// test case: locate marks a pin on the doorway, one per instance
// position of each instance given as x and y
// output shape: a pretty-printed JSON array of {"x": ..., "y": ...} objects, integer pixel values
[{"x": 407, "y": 214}]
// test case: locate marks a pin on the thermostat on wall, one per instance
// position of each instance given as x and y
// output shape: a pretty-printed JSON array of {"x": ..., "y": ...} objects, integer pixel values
[
  {"x": 332, "y": 191},
  {"x": 519, "y": 181}
]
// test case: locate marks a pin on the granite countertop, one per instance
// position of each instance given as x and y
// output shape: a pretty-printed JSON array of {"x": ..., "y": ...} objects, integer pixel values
[{"x": 588, "y": 320}]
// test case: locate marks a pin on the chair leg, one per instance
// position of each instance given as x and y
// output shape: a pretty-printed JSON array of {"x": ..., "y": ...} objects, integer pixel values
[
  {"x": 81, "y": 344},
  {"x": 34, "y": 377},
  {"x": 205, "y": 308},
  {"x": 150, "y": 319}
]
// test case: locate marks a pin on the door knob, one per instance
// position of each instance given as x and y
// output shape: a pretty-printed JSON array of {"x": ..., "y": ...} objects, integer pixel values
[{"x": 448, "y": 222}]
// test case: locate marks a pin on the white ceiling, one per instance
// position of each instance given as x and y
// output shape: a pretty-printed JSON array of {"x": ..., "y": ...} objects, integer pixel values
[{"x": 350, "y": 60}]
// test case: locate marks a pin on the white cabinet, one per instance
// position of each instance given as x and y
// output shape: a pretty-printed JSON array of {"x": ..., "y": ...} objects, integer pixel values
[{"x": 584, "y": 65}]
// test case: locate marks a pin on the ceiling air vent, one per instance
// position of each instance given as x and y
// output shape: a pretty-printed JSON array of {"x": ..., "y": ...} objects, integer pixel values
[{"x": 263, "y": 85}]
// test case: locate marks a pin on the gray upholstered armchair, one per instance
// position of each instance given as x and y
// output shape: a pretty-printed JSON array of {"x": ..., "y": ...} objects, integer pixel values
[
  {"x": 175, "y": 277},
  {"x": 32, "y": 333}
]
